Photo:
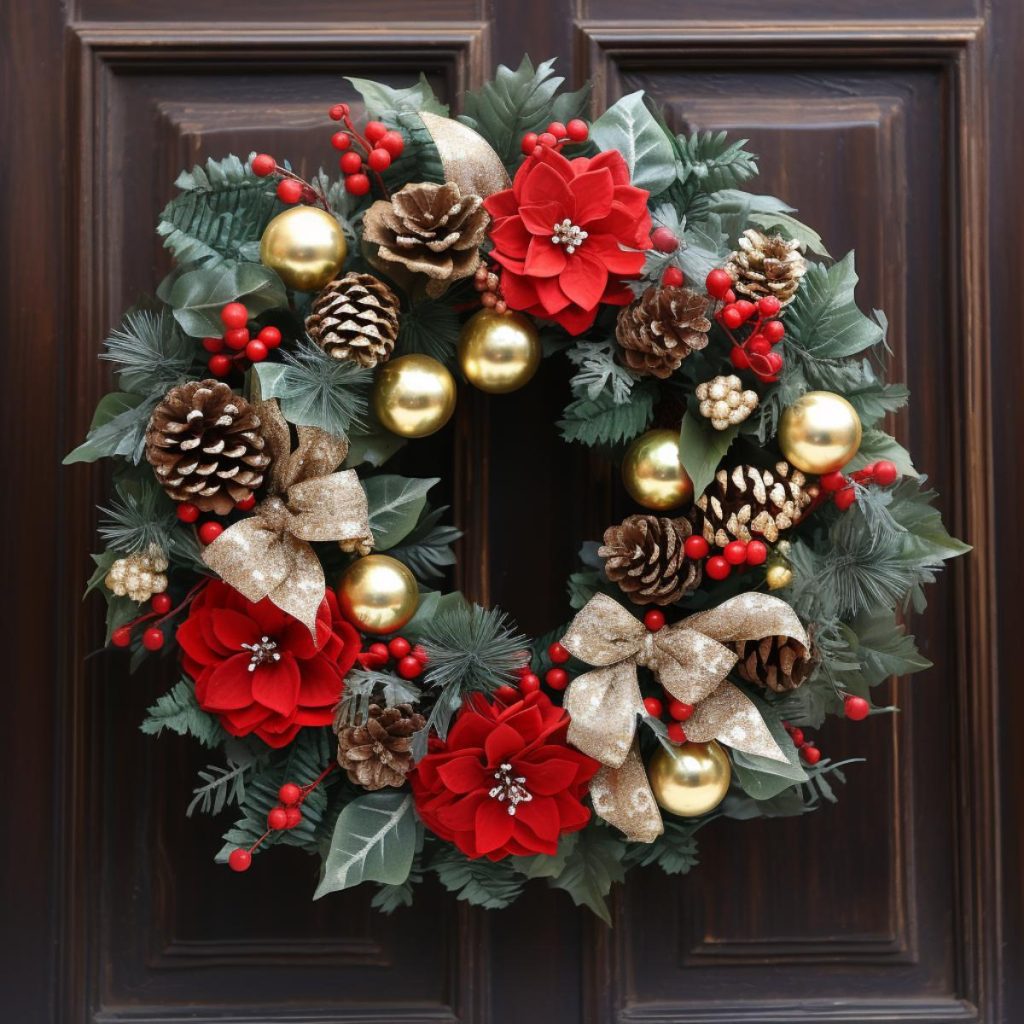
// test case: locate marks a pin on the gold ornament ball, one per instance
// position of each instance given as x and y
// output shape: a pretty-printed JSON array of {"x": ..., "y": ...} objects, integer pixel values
[
  {"x": 378, "y": 594},
  {"x": 653, "y": 474},
  {"x": 498, "y": 352},
  {"x": 414, "y": 395},
  {"x": 305, "y": 246},
  {"x": 820, "y": 432},
  {"x": 778, "y": 576},
  {"x": 691, "y": 779}
]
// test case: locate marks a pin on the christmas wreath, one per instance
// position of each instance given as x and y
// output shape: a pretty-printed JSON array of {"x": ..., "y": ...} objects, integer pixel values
[{"x": 311, "y": 328}]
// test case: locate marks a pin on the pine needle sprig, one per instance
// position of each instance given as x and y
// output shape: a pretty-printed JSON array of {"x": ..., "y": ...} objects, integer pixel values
[
  {"x": 430, "y": 327},
  {"x": 150, "y": 353},
  {"x": 135, "y": 520},
  {"x": 364, "y": 687}
]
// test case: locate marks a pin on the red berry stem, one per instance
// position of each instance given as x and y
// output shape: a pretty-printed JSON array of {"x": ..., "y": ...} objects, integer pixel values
[
  {"x": 309, "y": 787},
  {"x": 367, "y": 148}
]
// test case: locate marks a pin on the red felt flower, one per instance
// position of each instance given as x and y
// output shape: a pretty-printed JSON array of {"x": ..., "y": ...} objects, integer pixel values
[
  {"x": 505, "y": 781},
  {"x": 559, "y": 233},
  {"x": 258, "y": 669}
]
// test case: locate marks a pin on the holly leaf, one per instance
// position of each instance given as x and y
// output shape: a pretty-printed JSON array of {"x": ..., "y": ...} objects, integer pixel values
[
  {"x": 629, "y": 127},
  {"x": 702, "y": 448},
  {"x": 395, "y": 504},
  {"x": 381, "y": 99},
  {"x": 197, "y": 296}
]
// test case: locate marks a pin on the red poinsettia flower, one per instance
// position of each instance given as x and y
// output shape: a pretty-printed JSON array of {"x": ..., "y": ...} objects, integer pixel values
[
  {"x": 559, "y": 233},
  {"x": 258, "y": 669},
  {"x": 505, "y": 781}
]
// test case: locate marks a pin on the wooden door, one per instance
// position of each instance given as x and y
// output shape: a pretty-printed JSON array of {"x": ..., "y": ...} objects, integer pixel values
[{"x": 894, "y": 127}]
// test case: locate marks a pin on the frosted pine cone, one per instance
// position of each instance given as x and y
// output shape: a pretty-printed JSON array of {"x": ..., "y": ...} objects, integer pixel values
[{"x": 766, "y": 265}]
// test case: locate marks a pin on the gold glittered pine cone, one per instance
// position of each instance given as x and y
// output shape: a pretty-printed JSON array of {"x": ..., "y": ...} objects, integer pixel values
[
  {"x": 661, "y": 328},
  {"x": 747, "y": 502},
  {"x": 777, "y": 663},
  {"x": 205, "y": 446},
  {"x": 355, "y": 317},
  {"x": 432, "y": 230},
  {"x": 139, "y": 575},
  {"x": 644, "y": 555},
  {"x": 766, "y": 265},
  {"x": 378, "y": 753}
]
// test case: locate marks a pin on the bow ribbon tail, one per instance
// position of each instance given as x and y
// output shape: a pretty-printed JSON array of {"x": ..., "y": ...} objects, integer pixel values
[
  {"x": 729, "y": 715},
  {"x": 602, "y": 707},
  {"x": 622, "y": 796}
]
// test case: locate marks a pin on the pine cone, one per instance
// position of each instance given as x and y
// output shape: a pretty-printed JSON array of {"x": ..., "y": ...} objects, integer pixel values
[
  {"x": 749, "y": 502},
  {"x": 644, "y": 556},
  {"x": 777, "y": 663},
  {"x": 355, "y": 317},
  {"x": 766, "y": 265},
  {"x": 378, "y": 753},
  {"x": 204, "y": 445},
  {"x": 139, "y": 575},
  {"x": 661, "y": 328},
  {"x": 432, "y": 230}
]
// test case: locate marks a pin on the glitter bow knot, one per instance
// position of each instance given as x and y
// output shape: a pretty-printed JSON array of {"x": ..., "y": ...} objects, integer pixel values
[
  {"x": 268, "y": 554},
  {"x": 691, "y": 661}
]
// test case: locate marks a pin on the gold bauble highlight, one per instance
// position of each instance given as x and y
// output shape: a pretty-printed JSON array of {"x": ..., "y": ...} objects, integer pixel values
[
  {"x": 498, "y": 352},
  {"x": 820, "y": 432},
  {"x": 414, "y": 395},
  {"x": 305, "y": 246},
  {"x": 691, "y": 779},
  {"x": 653, "y": 474},
  {"x": 778, "y": 576},
  {"x": 378, "y": 594}
]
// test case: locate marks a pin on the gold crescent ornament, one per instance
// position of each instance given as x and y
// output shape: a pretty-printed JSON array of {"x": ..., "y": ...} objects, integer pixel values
[
  {"x": 498, "y": 352},
  {"x": 466, "y": 157},
  {"x": 378, "y": 594},
  {"x": 653, "y": 474},
  {"x": 691, "y": 779},
  {"x": 305, "y": 246},
  {"x": 820, "y": 432},
  {"x": 414, "y": 395}
]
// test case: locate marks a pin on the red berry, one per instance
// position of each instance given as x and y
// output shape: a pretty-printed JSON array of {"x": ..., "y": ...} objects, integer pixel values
[
  {"x": 277, "y": 819},
  {"x": 351, "y": 163},
  {"x": 256, "y": 351},
  {"x": 375, "y": 130},
  {"x": 294, "y": 816},
  {"x": 739, "y": 358},
  {"x": 696, "y": 547},
  {"x": 768, "y": 305},
  {"x": 529, "y": 143},
  {"x": 546, "y": 139},
  {"x": 729, "y": 296},
  {"x": 718, "y": 282},
  {"x": 577, "y": 130},
  {"x": 653, "y": 707},
  {"x": 263, "y": 164},
  {"x": 506, "y": 694},
  {"x": 187, "y": 512},
  {"x": 213, "y": 345},
  {"x": 392, "y": 142},
  {"x": 160, "y": 603},
  {"x": 246, "y": 503},
  {"x": 757, "y": 345},
  {"x": 731, "y": 316},
  {"x": 676, "y": 733},
  {"x": 237, "y": 338},
  {"x": 757, "y": 552},
  {"x": 845, "y": 498},
  {"x": 210, "y": 531},
  {"x": 774, "y": 331},
  {"x": 341, "y": 141},
  {"x": 557, "y": 678},
  {"x": 886, "y": 473},
  {"x": 379, "y": 159},
  {"x": 409, "y": 667},
  {"x": 812, "y": 755},
  {"x": 797, "y": 736},
  {"x": 680, "y": 710},
  {"x": 153, "y": 639},
  {"x": 654, "y": 619},
  {"x": 735, "y": 552},
  {"x": 121, "y": 637},
  {"x": 420, "y": 654},
  {"x": 289, "y": 793},
  {"x": 856, "y": 708},
  {"x": 664, "y": 240},
  {"x": 219, "y": 366},
  {"x": 289, "y": 190},
  {"x": 270, "y": 336},
  {"x": 338, "y": 111},
  {"x": 557, "y": 129},
  {"x": 399, "y": 647},
  {"x": 746, "y": 309},
  {"x": 833, "y": 481},
  {"x": 774, "y": 361},
  {"x": 558, "y": 654},
  {"x": 379, "y": 650},
  {"x": 357, "y": 184},
  {"x": 239, "y": 860},
  {"x": 234, "y": 314},
  {"x": 529, "y": 683},
  {"x": 717, "y": 567},
  {"x": 672, "y": 278}
]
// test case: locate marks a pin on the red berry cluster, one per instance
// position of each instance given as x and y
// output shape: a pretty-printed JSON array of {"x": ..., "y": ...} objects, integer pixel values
[
  {"x": 379, "y": 144},
  {"x": 678, "y": 711},
  {"x": 238, "y": 338},
  {"x": 755, "y": 352},
  {"x": 398, "y": 655},
  {"x": 161, "y": 608},
  {"x": 291, "y": 188},
  {"x": 734, "y": 554},
  {"x": 809, "y": 753},
  {"x": 556, "y": 135},
  {"x": 488, "y": 283},
  {"x": 840, "y": 488},
  {"x": 210, "y": 530}
]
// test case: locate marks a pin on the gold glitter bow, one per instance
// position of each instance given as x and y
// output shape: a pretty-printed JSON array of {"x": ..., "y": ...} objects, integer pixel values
[
  {"x": 691, "y": 661},
  {"x": 268, "y": 554}
]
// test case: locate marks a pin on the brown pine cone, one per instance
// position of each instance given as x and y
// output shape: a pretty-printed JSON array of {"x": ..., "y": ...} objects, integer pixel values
[
  {"x": 432, "y": 230},
  {"x": 777, "y": 663},
  {"x": 644, "y": 556},
  {"x": 378, "y": 753},
  {"x": 748, "y": 502},
  {"x": 661, "y": 328},
  {"x": 204, "y": 445},
  {"x": 355, "y": 317},
  {"x": 766, "y": 265}
]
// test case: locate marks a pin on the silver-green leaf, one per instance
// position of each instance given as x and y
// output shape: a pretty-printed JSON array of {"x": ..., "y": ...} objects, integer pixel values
[{"x": 630, "y": 127}]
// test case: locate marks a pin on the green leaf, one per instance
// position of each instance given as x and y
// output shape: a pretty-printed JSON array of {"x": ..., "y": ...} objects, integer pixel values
[
  {"x": 702, "y": 448},
  {"x": 382, "y": 99},
  {"x": 877, "y": 444},
  {"x": 485, "y": 883},
  {"x": 547, "y": 865},
  {"x": 395, "y": 505},
  {"x": 590, "y": 869},
  {"x": 432, "y": 604},
  {"x": 582, "y": 586},
  {"x": 602, "y": 421},
  {"x": 912, "y": 509},
  {"x": 629, "y": 127},
  {"x": 179, "y": 711},
  {"x": 427, "y": 550},
  {"x": 763, "y": 777},
  {"x": 768, "y": 213},
  {"x": 883, "y": 648},
  {"x": 198, "y": 296},
  {"x": 371, "y": 443},
  {"x": 713, "y": 162},
  {"x": 118, "y": 428},
  {"x": 674, "y": 851},
  {"x": 374, "y": 840}
]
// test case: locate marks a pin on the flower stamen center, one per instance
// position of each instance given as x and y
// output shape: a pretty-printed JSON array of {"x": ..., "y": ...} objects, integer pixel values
[
  {"x": 510, "y": 787},
  {"x": 568, "y": 234},
  {"x": 265, "y": 650}
]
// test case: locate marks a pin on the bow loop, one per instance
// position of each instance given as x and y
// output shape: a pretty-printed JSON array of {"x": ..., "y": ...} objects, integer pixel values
[{"x": 603, "y": 632}]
